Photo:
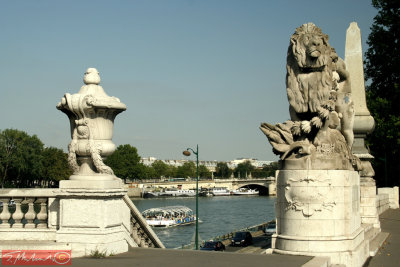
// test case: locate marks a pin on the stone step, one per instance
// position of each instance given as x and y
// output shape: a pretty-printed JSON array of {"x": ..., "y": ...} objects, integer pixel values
[
  {"x": 370, "y": 232},
  {"x": 377, "y": 242}
]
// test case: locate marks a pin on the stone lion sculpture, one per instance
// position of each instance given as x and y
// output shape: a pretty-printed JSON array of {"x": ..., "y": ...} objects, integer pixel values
[{"x": 318, "y": 89}]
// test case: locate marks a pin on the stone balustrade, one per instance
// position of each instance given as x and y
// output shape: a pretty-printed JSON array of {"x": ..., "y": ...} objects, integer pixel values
[
  {"x": 23, "y": 212},
  {"x": 41, "y": 215},
  {"x": 141, "y": 232}
]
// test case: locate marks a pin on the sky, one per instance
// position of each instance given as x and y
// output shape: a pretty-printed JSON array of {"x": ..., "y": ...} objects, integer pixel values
[{"x": 204, "y": 72}]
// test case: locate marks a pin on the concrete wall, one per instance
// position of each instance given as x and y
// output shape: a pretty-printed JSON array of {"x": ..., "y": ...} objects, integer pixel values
[
  {"x": 382, "y": 203},
  {"x": 387, "y": 198},
  {"x": 393, "y": 194}
]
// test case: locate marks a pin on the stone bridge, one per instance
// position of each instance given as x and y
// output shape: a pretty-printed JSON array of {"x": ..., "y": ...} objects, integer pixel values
[{"x": 266, "y": 186}]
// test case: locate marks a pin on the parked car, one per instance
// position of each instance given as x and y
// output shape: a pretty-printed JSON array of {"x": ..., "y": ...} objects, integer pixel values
[
  {"x": 213, "y": 245},
  {"x": 271, "y": 228},
  {"x": 242, "y": 239}
]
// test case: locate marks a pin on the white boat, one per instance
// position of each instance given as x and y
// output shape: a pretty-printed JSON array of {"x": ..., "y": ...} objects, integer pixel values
[
  {"x": 169, "y": 216},
  {"x": 220, "y": 191},
  {"x": 170, "y": 192},
  {"x": 174, "y": 192},
  {"x": 245, "y": 191}
]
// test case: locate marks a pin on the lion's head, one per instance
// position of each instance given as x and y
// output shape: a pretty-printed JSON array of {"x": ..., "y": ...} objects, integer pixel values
[
  {"x": 309, "y": 71},
  {"x": 310, "y": 47}
]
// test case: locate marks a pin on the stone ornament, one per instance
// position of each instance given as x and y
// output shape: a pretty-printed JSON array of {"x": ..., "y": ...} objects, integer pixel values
[
  {"x": 91, "y": 113},
  {"x": 319, "y": 93},
  {"x": 299, "y": 192}
]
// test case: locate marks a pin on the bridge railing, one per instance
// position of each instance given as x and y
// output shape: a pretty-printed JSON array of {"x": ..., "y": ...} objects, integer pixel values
[
  {"x": 34, "y": 214},
  {"x": 26, "y": 208},
  {"x": 141, "y": 232}
]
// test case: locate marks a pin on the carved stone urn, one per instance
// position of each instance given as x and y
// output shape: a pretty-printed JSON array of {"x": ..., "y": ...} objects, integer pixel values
[{"x": 91, "y": 113}]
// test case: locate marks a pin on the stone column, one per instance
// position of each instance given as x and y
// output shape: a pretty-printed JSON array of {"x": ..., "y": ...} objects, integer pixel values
[{"x": 363, "y": 124}]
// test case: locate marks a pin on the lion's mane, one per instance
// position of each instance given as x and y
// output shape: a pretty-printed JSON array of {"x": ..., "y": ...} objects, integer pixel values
[{"x": 309, "y": 78}]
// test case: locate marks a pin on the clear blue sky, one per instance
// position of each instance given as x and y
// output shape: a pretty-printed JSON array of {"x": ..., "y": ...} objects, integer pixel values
[{"x": 190, "y": 71}]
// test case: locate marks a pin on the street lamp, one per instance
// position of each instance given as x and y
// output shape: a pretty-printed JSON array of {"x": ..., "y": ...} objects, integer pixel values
[{"x": 187, "y": 153}]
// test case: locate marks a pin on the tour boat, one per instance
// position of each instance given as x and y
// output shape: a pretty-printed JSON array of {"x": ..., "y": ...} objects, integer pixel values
[
  {"x": 245, "y": 191},
  {"x": 170, "y": 192},
  {"x": 169, "y": 216},
  {"x": 220, "y": 191}
]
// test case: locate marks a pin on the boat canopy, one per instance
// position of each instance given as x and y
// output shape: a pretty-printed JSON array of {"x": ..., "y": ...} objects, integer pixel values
[{"x": 173, "y": 211}]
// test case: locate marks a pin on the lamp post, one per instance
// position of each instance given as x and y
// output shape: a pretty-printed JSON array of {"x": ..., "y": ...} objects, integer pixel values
[{"x": 187, "y": 153}]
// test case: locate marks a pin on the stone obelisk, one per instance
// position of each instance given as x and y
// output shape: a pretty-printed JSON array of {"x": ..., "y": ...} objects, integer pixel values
[{"x": 363, "y": 124}]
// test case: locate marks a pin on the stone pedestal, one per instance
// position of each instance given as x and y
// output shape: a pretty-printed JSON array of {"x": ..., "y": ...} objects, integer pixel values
[
  {"x": 318, "y": 214},
  {"x": 94, "y": 220}
]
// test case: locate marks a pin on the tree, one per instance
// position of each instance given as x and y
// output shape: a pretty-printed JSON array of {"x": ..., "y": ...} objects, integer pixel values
[
  {"x": 270, "y": 169},
  {"x": 20, "y": 158},
  {"x": 55, "y": 165},
  {"x": 244, "y": 169},
  {"x": 172, "y": 171},
  {"x": 222, "y": 170},
  {"x": 188, "y": 169},
  {"x": 204, "y": 172},
  {"x": 160, "y": 168},
  {"x": 383, "y": 93},
  {"x": 125, "y": 162}
]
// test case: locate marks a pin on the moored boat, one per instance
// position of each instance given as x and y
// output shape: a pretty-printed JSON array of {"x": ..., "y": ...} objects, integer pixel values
[
  {"x": 169, "y": 216},
  {"x": 220, "y": 191},
  {"x": 205, "y": 192},
  {"x": 170, "y": 192},
  {"x": 246, "y": 191}
]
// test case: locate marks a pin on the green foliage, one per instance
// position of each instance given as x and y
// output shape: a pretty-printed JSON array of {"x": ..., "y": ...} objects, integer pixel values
[
  {"x": 20, "y": 157},
  {"x": 172, "y": 171},
  {"x": 24, "y": 162},
  {"x": 188, "y": 169},
  {"x": 99, "y": 254},
  {"x": 222, "y": 170},
  {"x": 266, "y": 171},
  {"x": 204, "y": 172},
  {"x": 125, "y": 162},
  {"x": 160, "y": 169},
  {"x": 55, "y": 164},
  {"x": 383, "y": 93},
  {"x": 243, "y": 169}
]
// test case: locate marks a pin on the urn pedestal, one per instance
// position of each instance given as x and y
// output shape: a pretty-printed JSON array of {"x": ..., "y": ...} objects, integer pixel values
[
  {"x": 93, "y": 214},
  {"x": 318, "y": 214},
  {"x": 91, "y": 113}
]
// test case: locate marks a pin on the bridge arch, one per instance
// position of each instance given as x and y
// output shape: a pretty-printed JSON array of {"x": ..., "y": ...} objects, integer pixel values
[{"x": 261, "y": 188}]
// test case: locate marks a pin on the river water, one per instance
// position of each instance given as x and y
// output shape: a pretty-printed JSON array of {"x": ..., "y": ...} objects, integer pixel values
[{"x": 218, "y": 215}]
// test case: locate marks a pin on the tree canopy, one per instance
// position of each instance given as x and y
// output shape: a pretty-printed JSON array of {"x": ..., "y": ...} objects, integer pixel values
[
  {"x": 244, "y": 169},
  {"x": 266, "y": 171},
  {"x": 125, "y": 162},
  {"x": 382, "y": 72},
  {"x": 204, "y": 172},
  {"x": 25, "y": 162},
  {"x": 222, "y": 170}
]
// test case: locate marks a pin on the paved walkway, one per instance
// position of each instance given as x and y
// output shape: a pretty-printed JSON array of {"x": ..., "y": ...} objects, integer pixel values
[
  {"x": 188, "y": 258},
  {"x": 389, "y": 253}
]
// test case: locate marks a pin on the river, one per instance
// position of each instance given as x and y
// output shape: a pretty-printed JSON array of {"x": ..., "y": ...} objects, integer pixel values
[{"x": 218, "y": 215}]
